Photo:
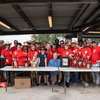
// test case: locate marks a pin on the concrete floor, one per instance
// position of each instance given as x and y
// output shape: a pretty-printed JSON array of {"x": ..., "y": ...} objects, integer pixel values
[{"x": 45, "y": 93}]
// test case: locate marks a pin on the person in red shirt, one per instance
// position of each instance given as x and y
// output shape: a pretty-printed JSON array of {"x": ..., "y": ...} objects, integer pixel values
[
  {"x": 49, "y": 53},
  {"x": 89, "y": 44},
  {"x": 32, "y": 54},
  {"x": 15, "y": 46},
  {"x": 29, "y": 45},
  {"x": 38, "y": 47},
  {"x": 94, "y": 61},
  {"x": 85, "y": 53},
  {"x": 1, "y": 46},
  {"x": 20, "y": 55},
  {"x": 67, "y": 52},
  {"x": 54, "y": 49},
  {"x": 6, "y": 54},
  {"x": 75, "y": 50},
  {"x": 60, "y": 50}
]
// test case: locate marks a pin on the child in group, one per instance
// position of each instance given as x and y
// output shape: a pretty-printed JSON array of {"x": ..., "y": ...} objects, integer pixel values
[{"x": 42, "y": 62}]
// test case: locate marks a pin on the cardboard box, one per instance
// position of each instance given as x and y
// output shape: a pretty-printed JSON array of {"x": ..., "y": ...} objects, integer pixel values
[{"x": 22, "y": 82}]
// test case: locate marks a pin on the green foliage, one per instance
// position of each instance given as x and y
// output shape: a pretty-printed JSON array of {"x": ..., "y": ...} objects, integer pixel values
[{"x": 50, "y": 38}]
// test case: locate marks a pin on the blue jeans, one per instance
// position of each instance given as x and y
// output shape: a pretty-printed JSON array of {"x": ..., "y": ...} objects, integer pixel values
[
  {"x": 67, "y": 76},
  {"x": 95, "y": 75},
  {"x": 75, "y": 77}
]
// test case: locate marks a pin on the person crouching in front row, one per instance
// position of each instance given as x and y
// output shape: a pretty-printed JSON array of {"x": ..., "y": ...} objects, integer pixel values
[
  {"x": 54, "y": 62},
  {"x": 42, "y": 62}
]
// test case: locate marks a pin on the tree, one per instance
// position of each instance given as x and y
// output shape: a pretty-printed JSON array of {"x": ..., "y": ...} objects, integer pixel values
[{"x": 50, "y": 38}]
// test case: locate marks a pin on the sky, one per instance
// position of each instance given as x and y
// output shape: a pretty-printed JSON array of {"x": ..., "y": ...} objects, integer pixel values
[{"x": 11, "y": 38}]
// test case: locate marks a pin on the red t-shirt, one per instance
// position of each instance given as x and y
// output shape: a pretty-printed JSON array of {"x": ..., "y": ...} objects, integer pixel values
[
  {"x": 1, "y": 48},
  {"x": 50, "y": 56},
  {"x": 90, "y": 47},
  {"x": 20, "y": 55},
  {"x": 31, "y": 55},
  {"x": 67, "y": 53},
  {"x": 13, "y": 48},
  {"x": 53, "y": 51},
  {"x": 60, "y": 50},
  {"x": 95, "y": 54},
  {"x": 8, "y": 55},
  {"x": 38, "y": 49},
  {"x": 75, "y": 49},
  {"x": 86, "y": 52}
]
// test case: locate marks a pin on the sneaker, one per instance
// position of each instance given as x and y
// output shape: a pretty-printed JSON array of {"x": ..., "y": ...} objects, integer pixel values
[
  {"x": 59, "y": 83},
  {"x": 67, "y": 84},
  {"x": 45, "y": 83}
]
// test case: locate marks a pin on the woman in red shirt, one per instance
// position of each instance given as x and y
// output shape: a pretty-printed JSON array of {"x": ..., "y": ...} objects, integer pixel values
[
  {"x": 48, "y": 47},
  {"x": 31, "y": 54},
  {"x": 67, "y": 52},
  {"x": 19, "y": 55},
  {"x": 7, "y": 55}
]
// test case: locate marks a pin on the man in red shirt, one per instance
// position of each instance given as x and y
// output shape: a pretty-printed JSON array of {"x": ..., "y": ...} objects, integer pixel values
[
  {"x": 85, "y": 53},
  {"x": 89, "y": 44},
  {"x": 15, "y": 46},
  {"x": 53, "y": 49},
  {"x": 94, "y": 60},
  {"x": 38, "y": 47},
  {"x": 75, "y": 49},
  {"x": 67, "y": 52},
  {"x": 60, "y": 50}
]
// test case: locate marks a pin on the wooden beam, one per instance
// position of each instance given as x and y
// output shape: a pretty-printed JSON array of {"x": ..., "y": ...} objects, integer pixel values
[
  {"x": 23, "y": 15},
  {"x": 78, "y": 15}
]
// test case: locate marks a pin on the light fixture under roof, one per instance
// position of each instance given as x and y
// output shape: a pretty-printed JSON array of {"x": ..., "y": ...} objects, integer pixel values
[
  {"x": 50, "y": 21},
  {"x": 3, "y": 24},
  {"x": 94, "y": 32},
  {"x": 85, "y": 29}
]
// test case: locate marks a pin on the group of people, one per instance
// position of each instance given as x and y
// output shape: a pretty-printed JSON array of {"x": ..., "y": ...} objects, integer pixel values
[{"x": 49, "y": 56}]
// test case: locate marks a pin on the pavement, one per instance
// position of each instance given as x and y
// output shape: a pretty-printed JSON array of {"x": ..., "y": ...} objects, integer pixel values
[{"x": 45, "y": 93}]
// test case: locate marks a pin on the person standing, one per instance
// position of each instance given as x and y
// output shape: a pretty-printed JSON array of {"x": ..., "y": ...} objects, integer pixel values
[
  {"x": 31, "y": 54},
  {"x": 75, "y": 49},
  {"x": 42, "y": 57},
  {"x": 85, "y": 54},
  {"x": 94, "y": 61},
  {"x": 15, "y": 46},
  {"x": 57, "y": 43},
  {"x": 19, "y": 54},
  {"x": 60, "y": 50},
  {"x": 38, "y": 47},
  {"x": 54, "y": 49},
  {"x": 49, "y": 53},
  {"x": 6, "y": 54},
  {"x": 67, "y": 52}
]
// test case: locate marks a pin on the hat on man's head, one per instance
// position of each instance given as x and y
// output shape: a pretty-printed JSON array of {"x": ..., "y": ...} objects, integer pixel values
[
  {"x": 37, "y": 42},
  {"x": 73, "y": 41},
  {"x": 7, "y": 42},
  {"x": 54, "y": 43},
  {"x": 94, "y": 41},
  {"x": 25, "y": 44}
]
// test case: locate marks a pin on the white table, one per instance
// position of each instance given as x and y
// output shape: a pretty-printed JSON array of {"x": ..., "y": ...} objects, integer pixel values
[
  {"x": 70, "y": 69},
  {"x": 48, "y": 69}
]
